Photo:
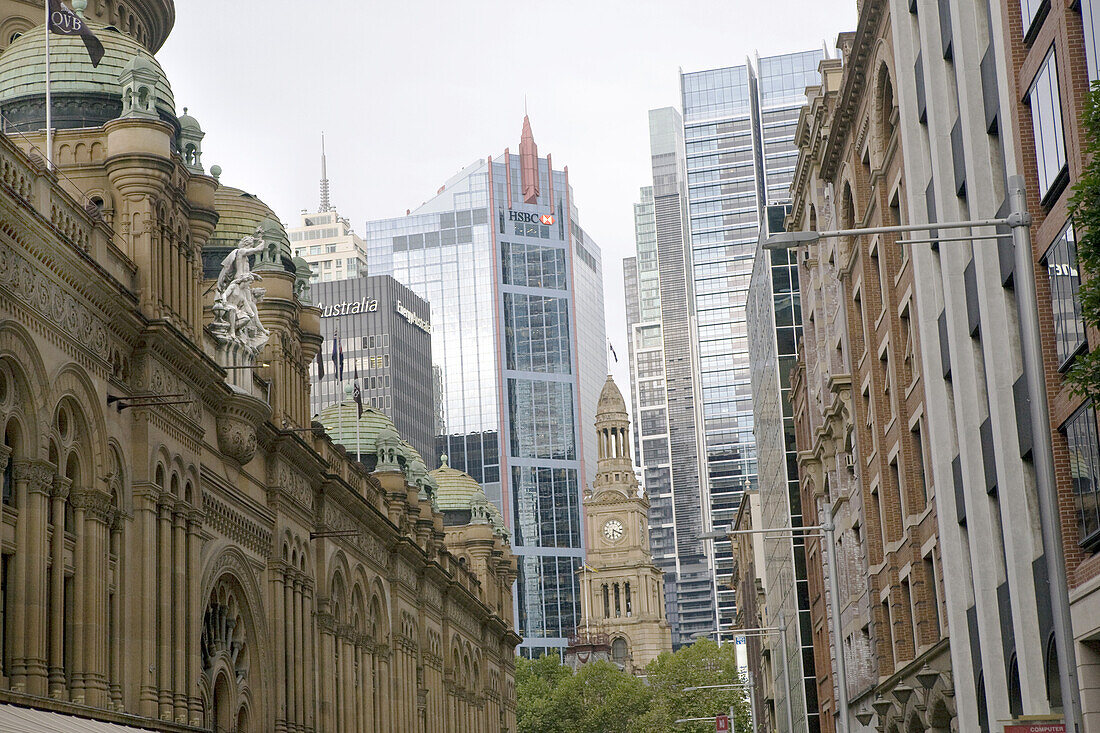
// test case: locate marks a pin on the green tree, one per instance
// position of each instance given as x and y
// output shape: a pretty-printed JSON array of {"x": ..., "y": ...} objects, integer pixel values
[
  {"x": 701, "y": 664},
  {"x": 1084, "y": 206},
  {"x": 601, "y": 698}
]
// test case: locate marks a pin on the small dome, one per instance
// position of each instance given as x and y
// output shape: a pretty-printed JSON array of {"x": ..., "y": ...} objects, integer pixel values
[
  {"x": 240, "y": 214},
  {"x": 23, "y": 79},
  {"x": 456, "y": 488},
  {"x": 187, "y": 122},
  {"x": 611, "y": 399}
]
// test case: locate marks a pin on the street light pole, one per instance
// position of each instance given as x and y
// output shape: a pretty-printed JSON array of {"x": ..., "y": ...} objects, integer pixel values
[
  {"x": 786, "y": 673},
  {"x": 1042, "y": 452}
]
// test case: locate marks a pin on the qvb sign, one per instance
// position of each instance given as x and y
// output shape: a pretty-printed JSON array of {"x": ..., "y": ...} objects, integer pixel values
[{"x": 722, "y": 724}]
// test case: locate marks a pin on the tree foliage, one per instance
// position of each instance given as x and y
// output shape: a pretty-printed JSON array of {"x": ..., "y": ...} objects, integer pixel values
[
  {"x": 1084, "y": 207},
  {"x": 600, "y": 697}
]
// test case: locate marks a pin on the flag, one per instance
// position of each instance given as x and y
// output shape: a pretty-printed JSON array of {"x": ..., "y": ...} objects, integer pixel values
[
  {"x": 613, "y": 354},
  {"x": 321, "y": 362},
  {"x": 356, "y": 393},
  {"x": 589, "y": 568},
  {"x": 65, "y": 22},
  {"x": 337, "y": 356},
  {"x": 340, "y": 364}
]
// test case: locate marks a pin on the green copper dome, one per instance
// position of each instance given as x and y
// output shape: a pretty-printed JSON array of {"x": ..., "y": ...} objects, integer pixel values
[
  {"x": 240, "y": 214},
  {"x": 358, "y": 436},
  {"x": 456, "y": 488},
  {"x": 84, "y": 95}
]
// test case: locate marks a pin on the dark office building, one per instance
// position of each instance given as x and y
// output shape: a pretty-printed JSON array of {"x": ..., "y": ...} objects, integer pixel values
[{"x": 385, "y": 330}]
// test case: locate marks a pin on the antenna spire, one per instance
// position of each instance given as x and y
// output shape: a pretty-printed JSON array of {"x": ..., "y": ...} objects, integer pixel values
[{"x": 325, "y": 204}]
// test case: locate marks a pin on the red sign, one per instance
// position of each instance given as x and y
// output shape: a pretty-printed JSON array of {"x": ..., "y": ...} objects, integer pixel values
[
  {"x": 547, "y": 219},
  {"x": 722, "y": 724},
  {"x": 1036, "y": 728}
]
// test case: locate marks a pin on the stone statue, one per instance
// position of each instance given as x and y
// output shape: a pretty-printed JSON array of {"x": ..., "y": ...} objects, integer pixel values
[{"x": 236, "y": 320}]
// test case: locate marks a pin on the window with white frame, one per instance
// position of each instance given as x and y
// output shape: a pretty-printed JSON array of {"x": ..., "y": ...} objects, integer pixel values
[{"x": 1046, "y": 127}]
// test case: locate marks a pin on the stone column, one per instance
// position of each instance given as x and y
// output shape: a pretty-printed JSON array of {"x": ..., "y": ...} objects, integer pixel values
[
  {"x": 327, "y": 673},
  {"x": 179, "y": 595},
  {"x": 370, "y": 719},
  {"x": 79, "y": 610},
  {"x": 309, "y": 664},
  {"x": 57, "y": 681},
  {"x": 96, "y": 507},
  {"x": 122, "y": 587},
  {"x": 164, "y": 616},
  {"x": 144, "y": 546},
  {"x": 34, "y": 480},
  {"x": 292, "y": 624},
  {"x": 280, "y": 626},
  {"x": 195, "y": 608},
  {"x": 300, "y": 618}
]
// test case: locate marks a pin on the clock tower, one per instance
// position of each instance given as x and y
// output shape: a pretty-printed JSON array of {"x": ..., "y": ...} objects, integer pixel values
[{"x": 622, "y": 591}]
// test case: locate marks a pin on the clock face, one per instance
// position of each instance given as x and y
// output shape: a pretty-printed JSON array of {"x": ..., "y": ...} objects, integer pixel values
[{"x": 613, "y": 530}]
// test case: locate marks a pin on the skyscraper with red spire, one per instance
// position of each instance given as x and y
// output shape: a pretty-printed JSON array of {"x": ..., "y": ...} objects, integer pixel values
[{"x": 516, "y": 293}]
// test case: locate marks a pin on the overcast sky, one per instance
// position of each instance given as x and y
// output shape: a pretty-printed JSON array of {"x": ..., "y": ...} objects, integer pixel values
[{"x": 409, "y": 91}]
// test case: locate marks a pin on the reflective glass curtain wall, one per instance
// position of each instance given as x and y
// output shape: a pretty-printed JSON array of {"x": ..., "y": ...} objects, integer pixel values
[
  {"x": 519, "y": 345},
  {"x": 739, "y": 143}
]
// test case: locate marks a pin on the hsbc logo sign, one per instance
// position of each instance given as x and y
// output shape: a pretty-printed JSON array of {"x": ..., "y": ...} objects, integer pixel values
[{"x": 525, "y": 217}]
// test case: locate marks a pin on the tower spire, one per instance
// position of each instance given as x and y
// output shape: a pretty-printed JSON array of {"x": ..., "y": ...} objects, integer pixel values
[
  {"x": 325, "y": 205},
  {"x": 528, "y": 161}
]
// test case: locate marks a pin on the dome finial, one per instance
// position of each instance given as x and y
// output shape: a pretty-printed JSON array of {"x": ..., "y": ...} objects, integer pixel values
[
  {"x": 443, "y": 460},
  {"x": 79, "y": 6}
]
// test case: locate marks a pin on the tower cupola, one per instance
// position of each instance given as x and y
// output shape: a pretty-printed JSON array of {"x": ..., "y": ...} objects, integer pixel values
[{"x": 614, "y": 467}]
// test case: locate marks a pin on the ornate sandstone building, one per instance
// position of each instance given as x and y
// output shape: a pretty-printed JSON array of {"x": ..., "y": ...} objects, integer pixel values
[
  {"x": 181, "y": 548},
  {"x": 622, "y": 591}
]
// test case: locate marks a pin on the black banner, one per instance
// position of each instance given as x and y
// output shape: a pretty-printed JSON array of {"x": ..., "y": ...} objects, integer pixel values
[{"x": 65, "y": 22}]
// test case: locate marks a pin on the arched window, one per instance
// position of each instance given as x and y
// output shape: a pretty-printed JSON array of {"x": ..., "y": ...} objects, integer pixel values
[
  {"x": 226, "y": 654},
  {"x": 1054, "y": 681},
  {"x": 606, "y": 603},
  {"x": 619, "y": 651},
  {"x": 618, "y": 603},
  {"x": 628, "y": 607}
]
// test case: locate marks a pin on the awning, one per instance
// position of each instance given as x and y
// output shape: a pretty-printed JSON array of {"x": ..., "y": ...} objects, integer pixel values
[{"x": 16, "y": 719}]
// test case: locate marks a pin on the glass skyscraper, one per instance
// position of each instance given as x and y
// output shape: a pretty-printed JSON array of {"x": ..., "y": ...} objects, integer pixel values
[
  {"x": 665, "y": 385},
  {"x": 774, "y": 316},
  {"x": 739, "y": 125},
  {"x": 516, "y": 295}
]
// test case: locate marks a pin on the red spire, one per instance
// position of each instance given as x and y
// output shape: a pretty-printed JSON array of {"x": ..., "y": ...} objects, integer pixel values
[{"x": 528, "y": 163}]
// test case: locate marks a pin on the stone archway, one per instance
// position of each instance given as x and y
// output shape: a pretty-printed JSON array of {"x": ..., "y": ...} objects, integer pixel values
[{"x": 230, "y": 664}]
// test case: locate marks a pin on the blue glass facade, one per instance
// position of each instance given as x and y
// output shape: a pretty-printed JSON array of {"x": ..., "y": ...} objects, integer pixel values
[
  {"x": 518, "y": 341},
  {"x": 740, "y": 156}
]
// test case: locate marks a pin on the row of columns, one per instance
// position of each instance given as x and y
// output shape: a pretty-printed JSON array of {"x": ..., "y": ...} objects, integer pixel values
[
  {"x": 63, "y": 644},
  {"x": 293, "y": 597},
  {"x": 171, "y": 541},
  {"x": 178, "y": 277},
  {"x": 355, "y": 685}
]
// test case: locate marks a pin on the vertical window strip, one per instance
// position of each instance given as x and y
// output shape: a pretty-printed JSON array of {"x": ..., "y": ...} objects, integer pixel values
[
  {"x": 1065, "y": 302},
  {"x": 1046, "y": 123},
  {"x": 1084, "y": 465}
]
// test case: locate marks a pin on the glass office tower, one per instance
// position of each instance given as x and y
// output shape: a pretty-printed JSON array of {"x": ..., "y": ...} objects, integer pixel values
[
  {"x": 665, "y": 383},
  {"x": 516, "y": 294},
  {"x": 740, "y": 153},
  {"x": 774, "y": 316}
]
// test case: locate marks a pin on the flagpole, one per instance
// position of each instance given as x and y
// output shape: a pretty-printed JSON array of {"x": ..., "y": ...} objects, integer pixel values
[
  {"x": 49, "y": 115},
  {"x": 358, "y": 416}
]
